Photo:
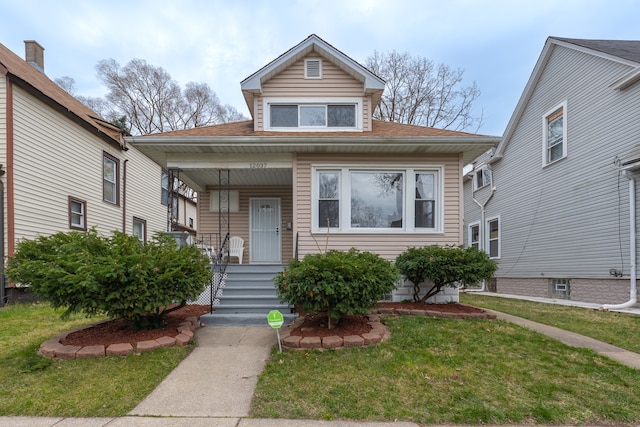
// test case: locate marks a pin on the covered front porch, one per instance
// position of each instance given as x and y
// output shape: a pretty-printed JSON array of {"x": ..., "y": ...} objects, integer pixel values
[{"x": 248, "y": 198}]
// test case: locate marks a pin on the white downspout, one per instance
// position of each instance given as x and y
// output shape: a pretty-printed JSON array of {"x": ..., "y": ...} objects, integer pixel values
[
  {"x": 633, "y": 294},
  {"x": 481, "y": 231}
]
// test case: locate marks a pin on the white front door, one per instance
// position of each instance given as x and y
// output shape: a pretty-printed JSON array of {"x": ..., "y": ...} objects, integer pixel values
[{"x": 264, "y": 232}]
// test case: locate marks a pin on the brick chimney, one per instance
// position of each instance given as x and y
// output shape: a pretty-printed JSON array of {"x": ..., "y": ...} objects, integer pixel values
[{"x": 34, "y": 54}]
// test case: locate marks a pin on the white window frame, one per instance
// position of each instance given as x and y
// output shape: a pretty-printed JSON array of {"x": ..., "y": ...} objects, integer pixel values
[
  {"x": 165, "y": 184},
  {"x": 82, "y": 214},
  {"x": 485, "y": 172},
  {"x": 409, "y": 190},
  {"x": 545, "y": 132},
  {"x": 470, "y": 240},
  {"x": 142, "y": 222},
  {"x": 266, "y": 108},
  {"x": 487, "y": 237},
  {"x": 306, "y": 69}
]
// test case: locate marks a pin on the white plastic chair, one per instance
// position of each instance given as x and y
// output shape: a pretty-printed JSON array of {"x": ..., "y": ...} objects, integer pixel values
[
  {"x": 236, "y": 248},
  {"x": 206, "y": 250}
]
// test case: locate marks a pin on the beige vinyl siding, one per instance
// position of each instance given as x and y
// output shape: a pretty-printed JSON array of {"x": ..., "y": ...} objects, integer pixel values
[
  {"x": 55, "y": 158},
  {"x": 291, "y": 83},
  {"x": 144, "y": 192},
  {"x": 187, "y": 209},
  {"x": 239, "y": 221},
  {"x": 388, "y": 245}
]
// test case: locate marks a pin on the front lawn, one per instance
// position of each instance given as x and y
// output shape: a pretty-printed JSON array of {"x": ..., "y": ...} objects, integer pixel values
[
  {"x": 439, "y": 371},
  {"x": 615, "y": 328},
  {"x": 105, "y": 387}
]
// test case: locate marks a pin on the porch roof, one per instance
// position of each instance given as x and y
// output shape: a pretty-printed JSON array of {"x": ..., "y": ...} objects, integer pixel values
[{"x": 239, "y": 138}]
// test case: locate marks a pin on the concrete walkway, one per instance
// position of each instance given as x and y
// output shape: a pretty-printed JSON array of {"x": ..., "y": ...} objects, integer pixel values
[{"x": 214, "y": 385}]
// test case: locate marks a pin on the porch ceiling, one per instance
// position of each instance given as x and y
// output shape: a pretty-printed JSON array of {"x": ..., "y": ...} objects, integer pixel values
[{"x": 200, "y": 179}]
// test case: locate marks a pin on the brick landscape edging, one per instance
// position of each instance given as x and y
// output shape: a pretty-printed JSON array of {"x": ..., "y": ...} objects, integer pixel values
[
  {"x": 52, "y": 348},
  {"x": 378, "y": 333}
]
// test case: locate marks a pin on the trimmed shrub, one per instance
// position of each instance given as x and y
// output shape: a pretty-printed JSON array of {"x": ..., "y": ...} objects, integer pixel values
[
  {"x": 118, "y": 276},
  {"x": 444, "y": 266},
  {"x": 338, "y": 282}
]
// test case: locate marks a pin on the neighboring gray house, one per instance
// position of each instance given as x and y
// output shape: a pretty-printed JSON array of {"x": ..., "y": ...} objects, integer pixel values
[{"x": 555, "y": 202}]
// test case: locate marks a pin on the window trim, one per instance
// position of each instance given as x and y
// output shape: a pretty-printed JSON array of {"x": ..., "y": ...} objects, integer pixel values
[
  {"x": 83, "y": 203},
  {"x": 266, "y": 108},
  {"x": 486, "y": 171},
  {"x": 545, "y": 134},
  {"x": 114, "y": 159},
  {"x": 408, "y": 220},
  {"x": 144, "y": 230},
  {"x": 488, "y": 239},
  {"x": 470, "y": 241}
]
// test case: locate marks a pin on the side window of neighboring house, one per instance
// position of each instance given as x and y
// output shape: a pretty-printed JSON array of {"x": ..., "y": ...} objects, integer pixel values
[
  {"x": 493, "y": 237},
  {"x": 474, "y": 235},
  {"x": 555, "y": 134},
  {"x": 77, "y": 214},
  {"x": 140, "y": 228},
  {"x": 165, "y": 188},
  {"x": 482, "y": 177},
  {"x": 110, "y": 166}
]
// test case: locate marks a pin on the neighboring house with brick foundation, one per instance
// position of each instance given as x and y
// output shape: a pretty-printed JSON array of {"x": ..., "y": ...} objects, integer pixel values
[
  {"x": 555, "y": 202},
  {"x": 63, "y": 167},
  {"x": 313, "y": 170}
]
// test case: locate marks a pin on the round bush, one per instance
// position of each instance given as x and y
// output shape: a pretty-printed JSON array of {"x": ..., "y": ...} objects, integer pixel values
[{"x": 338, "y": 282}]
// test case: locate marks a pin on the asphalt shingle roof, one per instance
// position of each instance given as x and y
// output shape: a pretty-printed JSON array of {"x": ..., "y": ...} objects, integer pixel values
[
  {"x": 625, "y": 49},
  {"x": 379, "y": 129},
  {"x": 38, "y": 83}
]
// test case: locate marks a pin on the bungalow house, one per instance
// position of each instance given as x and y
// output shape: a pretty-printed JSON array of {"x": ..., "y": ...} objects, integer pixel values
[
  {"x": 555, "y": 203},
  {"x": 63, "y": 167},
  {"x": 314, "y": 171}
]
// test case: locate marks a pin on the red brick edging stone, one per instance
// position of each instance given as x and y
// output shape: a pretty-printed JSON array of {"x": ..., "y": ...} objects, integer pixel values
[
  {"x": 52, "y": 348},
  {"x": 379, "y": 331}
]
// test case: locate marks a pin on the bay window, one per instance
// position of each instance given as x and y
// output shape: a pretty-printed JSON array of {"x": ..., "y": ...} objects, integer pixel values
[{"x": 371, "y": 200}]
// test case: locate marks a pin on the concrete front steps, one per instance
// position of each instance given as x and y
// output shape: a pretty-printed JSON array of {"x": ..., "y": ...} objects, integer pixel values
[{"x": 248, "y": 295}]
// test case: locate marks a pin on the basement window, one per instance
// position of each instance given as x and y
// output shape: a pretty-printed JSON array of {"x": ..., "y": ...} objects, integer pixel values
[{"x": 560, "y": 288}]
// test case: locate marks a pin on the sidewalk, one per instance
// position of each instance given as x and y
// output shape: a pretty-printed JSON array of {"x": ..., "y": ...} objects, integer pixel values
[{"x": 214, "y": 385}]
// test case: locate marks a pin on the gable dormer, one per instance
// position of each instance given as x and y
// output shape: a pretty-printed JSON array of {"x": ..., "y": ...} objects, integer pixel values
[{"x": 313, "y": 87}]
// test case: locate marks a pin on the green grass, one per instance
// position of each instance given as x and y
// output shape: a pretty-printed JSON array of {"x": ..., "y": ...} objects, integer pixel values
[
  {"x": 438, "y": 371},
  {"x": 619, "y": 329},
  {"x": 105, "y": 387}
]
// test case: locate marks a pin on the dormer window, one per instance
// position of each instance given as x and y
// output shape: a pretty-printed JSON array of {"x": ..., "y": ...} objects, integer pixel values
[
  {"x": 312, "y": 68},
  {"x": 322, "y": 114}
]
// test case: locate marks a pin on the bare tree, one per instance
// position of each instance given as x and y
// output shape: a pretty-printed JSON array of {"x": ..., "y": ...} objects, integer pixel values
[
  {"x": 421, "y": 93},
  {"x": 153, "y": 102},
  {"x": 96, "y": 104}
]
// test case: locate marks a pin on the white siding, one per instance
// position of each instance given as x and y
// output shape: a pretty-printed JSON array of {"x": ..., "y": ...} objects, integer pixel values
[
  {"x": 569, "y": 219},
  {"x": 55, "y": 158}
]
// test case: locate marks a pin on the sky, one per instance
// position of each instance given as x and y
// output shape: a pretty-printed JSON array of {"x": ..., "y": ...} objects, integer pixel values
[{"x": 495, "y": 42}]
